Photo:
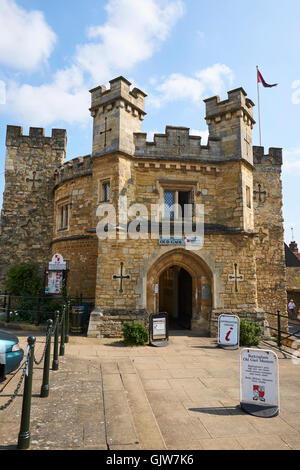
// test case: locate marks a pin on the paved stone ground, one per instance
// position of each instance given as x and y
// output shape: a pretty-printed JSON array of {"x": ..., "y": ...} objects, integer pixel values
[{"x": 183, "y": 397}]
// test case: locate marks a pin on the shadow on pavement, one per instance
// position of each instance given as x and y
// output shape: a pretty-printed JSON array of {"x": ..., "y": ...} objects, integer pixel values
[{"x": 226, "y": 410}]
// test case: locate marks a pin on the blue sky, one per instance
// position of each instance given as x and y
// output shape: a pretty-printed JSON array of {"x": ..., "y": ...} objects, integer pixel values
[{"x": 178, "y": 51}]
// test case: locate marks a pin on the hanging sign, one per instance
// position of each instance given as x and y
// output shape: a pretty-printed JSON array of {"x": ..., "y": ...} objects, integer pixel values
[
  {"x": 158, "y": 329},
  {"x": 57, "y": 263},
  {"x": 259, "y": 382},
  {"x": 55, "y": 275},
  {"x": 228, "y": 331},
  {"x": 55, "y": 282}
]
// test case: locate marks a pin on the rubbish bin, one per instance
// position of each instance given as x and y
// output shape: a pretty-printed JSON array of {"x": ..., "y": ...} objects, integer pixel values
[{"x": 77, "y": 320}]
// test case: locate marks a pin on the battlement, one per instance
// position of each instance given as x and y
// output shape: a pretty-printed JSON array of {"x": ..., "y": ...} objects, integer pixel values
[
  {"x": 76, "y": 168},
  {"x": 118, "y": 95},
  {"x": 236, "y": 106},
  {"x": 177, "y": 144},
  {"x": 36, "y": 138},
  {"x": 274, "y": 157}
]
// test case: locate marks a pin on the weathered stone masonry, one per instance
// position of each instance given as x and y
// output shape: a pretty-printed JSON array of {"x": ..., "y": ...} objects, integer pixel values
[
  {"x": 239, "y": 269},
  {"x": 27, "y": 212}
]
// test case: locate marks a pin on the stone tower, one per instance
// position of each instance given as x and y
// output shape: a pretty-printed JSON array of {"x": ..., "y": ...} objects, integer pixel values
[
  {"x": 118, "y": 113},
  {"x": 270, "y": 255},
  {"x": 27, "y": 212},
  {"x": 231, "y": 122}
]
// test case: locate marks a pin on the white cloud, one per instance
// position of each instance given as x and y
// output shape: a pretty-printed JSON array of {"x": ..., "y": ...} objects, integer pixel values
[
  {"x": 291, "y": 161},
  {"x": 177, "y": 86},
  {"x": 41, "y": 106},
  {"x": 296, "y": 94},
  {"x": 2, "y": 92},
  {"x": 26, "y": 40},
  {"x": 200, "y": 34},
  {"x": 203, "y": 134},
  {"x": 132, "y": 33}
]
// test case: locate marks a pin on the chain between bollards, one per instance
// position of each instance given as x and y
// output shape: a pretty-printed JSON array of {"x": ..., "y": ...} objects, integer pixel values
[
  {"x": 24, "y": 434},
  {"x": 45, "y": 385}
]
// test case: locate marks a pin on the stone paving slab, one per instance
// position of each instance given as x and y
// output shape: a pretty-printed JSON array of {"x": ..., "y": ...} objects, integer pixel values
[{"x": 183, "y": 397}]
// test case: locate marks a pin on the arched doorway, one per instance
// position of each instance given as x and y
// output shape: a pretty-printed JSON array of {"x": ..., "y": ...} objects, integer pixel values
[
  {"x": 175, "y": 297},
  {"x": 180, "y": 283}
]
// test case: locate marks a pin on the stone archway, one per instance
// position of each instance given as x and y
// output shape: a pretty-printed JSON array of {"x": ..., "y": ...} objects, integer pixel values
[{"x": 201, "y": 284}]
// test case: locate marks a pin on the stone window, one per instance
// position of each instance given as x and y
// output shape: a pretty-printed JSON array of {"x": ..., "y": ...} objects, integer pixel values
[
  {"x": 104, "y": 191},
  {"x": 248, "y": 197},
  {"x": 177, "y": 198},
  {"x": 64, "y": 216}
]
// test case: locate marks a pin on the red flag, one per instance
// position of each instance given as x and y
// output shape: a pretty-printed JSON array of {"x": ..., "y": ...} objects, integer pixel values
[{"x": 260, "y": 79}]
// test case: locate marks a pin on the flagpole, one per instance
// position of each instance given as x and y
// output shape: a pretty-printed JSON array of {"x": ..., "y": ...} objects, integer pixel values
[{"x": 258, "y": 101}]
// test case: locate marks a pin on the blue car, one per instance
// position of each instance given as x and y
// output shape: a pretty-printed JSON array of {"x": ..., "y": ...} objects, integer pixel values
[{"x": 11, "y": 354}]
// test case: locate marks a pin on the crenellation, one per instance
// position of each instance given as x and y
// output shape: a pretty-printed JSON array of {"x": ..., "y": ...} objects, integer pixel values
[
  {"x": 36, "y": 132},
  {"x": 237, "y": 105},
  {"x": 76, "y": 168},
  {"x": 273, "y": 157},
  {"x": 36, "y": 138}
]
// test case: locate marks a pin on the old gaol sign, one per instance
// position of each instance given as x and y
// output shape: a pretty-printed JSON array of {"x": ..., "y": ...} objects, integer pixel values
[
  {"x": 181, "y": 241},
  {"x": 259, "y": 382},
  {"x": 57, "y": 263}
]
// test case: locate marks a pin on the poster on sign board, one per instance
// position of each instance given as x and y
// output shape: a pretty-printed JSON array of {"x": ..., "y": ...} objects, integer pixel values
[{"x": 259, "y": 381}]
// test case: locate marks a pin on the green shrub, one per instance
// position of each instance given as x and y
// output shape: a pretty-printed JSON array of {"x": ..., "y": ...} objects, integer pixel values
[
  {"x": 24, "y": 280},
  {"x": 135, "y": 334},
  {"x": 250, "y": 333}
]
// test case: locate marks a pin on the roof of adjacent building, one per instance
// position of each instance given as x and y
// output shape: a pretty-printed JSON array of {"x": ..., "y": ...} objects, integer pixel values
[{"x": 291, "y": 259}]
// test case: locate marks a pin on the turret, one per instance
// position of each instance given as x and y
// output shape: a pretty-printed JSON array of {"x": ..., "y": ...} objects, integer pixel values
[
  {"x": 231, "y": 121},
  {"x": 118, "y": 113}
]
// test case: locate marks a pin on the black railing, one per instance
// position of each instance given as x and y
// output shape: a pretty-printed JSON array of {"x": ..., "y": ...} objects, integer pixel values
[
  {"x": 281, "y": 334},
  {"x": 38, "y": 309}
]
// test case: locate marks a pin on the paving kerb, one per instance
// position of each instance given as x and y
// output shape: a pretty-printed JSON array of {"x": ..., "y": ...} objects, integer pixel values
[{"x": 184, "y": 396}]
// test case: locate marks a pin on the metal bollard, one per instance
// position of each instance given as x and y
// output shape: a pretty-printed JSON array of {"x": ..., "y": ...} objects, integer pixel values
[
  {"x": 45, "y": 385},
  {"x": 24, "y": 434},
  {"x": 67, "y": 317},
  {"x": 55, "y": 362},
  {"x": 8, "y": 308},
  {"x": 62, "y": 335},
  {"x": 279, "y": 342}
]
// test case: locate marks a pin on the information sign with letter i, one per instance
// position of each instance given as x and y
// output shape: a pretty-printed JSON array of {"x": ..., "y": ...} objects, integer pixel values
[
  {"x": 259, "y": 382},
  {"x": 228, "y": 331}
]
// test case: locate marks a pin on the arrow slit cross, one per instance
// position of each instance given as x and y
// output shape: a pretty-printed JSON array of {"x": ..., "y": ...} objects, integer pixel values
[
  {"x": 236, "y": 277},
  {"x": 105, "y": 132},
  {"x": 121, "y": 277}
]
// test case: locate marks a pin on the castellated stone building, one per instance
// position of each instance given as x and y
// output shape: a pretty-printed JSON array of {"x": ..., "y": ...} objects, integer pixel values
[{"x": 51, "y": 206}]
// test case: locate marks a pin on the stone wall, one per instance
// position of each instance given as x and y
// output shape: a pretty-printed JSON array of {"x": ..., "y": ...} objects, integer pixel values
[
  {"x": 270, "y": 255},
  {"x": 27, "y": 210},
  {"x": 293, "y": 278},
  {"x": 217, "y": 258},
  {"x": 109, "y": 324},
  {"x": 78, "y": 246}
]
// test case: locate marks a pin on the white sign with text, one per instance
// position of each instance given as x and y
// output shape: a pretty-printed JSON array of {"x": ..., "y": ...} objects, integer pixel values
[{"x": 259, "y": 376}]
